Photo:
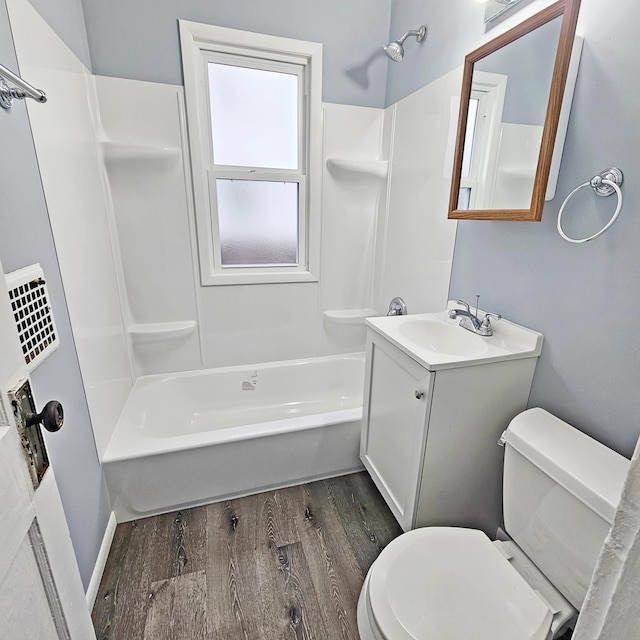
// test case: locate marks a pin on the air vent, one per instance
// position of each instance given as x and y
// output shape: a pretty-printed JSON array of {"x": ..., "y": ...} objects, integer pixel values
[{"x": 32, "y": 312}]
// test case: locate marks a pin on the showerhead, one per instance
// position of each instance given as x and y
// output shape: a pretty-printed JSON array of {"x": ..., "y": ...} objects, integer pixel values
[{"x": 395, "y": 50}]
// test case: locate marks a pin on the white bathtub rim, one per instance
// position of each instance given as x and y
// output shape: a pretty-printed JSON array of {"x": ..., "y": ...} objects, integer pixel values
[
  {"x": 148, "y": 379},
  {"x": 129, "y": 443}
]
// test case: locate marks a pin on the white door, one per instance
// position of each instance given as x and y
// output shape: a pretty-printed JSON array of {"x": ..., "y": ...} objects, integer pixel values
[
  {"x": 41, "y": 594},
  {"x": 396, "y": 398}
]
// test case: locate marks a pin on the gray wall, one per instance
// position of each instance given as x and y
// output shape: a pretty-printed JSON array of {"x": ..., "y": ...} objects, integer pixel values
[
  {"x": 453, "y": 30},
  {"x": 528, "y": 63},
  {"x": 584, "y": 298},
  {"x": 66, "y": 18},
  {"x": 25, "y": 238},
  {"x": 139, "y": 40},
  {"x": 450, "y": 29}
]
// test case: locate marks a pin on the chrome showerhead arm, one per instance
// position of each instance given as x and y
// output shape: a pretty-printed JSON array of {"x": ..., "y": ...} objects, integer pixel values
[{"x": 418, "y": 33}]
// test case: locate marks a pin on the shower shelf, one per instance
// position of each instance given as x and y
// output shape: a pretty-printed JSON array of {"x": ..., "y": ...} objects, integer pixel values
[
  {"x": 350, "y": 316},
  {"x": 154, "y": 332},
  {"x": 125, "y": 152},
  {"x": 354, "y": 167}
]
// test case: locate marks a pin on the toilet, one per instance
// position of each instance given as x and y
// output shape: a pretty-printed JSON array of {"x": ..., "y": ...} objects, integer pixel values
[{"x": 560, "y": 492}]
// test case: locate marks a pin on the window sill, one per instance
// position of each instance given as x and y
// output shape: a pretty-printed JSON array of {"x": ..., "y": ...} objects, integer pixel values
[{"x": 273, "y": 277}]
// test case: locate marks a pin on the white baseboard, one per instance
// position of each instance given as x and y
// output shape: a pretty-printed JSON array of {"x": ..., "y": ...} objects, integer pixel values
[{"x": 101, "y": 561}]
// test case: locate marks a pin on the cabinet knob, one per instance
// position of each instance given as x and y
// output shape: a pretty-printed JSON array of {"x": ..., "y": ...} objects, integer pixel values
[{"x": 419, "y": 393}]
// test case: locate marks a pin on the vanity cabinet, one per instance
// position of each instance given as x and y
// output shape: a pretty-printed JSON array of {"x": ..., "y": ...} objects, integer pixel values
[{"x": 430, "y": 437}]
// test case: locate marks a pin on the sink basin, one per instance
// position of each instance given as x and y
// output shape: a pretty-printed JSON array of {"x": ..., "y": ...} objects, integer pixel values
[
  {"x": 438, "y": 342},
  {"x": 443, "y": 338}
]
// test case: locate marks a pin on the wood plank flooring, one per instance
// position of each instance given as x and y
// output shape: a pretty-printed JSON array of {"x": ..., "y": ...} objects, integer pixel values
[{"x": 285, "y": 564}]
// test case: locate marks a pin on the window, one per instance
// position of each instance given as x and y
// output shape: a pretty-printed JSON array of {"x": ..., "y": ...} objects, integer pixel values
[
  {"x": 254, "y": 116},
  {"x": 482, "y": 138},
  {"x": 474, "y": 140},
  {"x": 468, "y": 177}
]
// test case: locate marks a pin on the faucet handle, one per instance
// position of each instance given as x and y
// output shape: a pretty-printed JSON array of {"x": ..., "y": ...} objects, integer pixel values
[
  {"x": 487, "y": 318},
  {"x": 464, "y": 304}
]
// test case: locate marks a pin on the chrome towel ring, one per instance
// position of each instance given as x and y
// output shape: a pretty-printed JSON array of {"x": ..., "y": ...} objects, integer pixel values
[{"x": 604, "y": 184}]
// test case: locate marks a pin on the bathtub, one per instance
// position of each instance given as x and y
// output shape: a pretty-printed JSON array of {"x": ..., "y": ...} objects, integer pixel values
[{"x": 187, "y": 439}]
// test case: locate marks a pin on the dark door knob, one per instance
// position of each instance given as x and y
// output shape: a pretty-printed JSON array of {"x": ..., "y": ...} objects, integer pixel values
[{"x": 51, "y": 417}]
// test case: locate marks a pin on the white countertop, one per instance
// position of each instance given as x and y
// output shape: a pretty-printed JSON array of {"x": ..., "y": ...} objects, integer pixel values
[{"x": 432, "y": 340}]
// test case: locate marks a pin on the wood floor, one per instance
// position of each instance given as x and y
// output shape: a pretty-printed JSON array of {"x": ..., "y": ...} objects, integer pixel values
[{"x": 286, "y": 564}]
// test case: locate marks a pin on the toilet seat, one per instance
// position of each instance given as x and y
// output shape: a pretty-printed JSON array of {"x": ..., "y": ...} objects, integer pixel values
[{"x": 447, "y": 583}]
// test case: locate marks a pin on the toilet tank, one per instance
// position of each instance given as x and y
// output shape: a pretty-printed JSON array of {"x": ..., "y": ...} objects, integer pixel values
[{"x": 561, "y": 489}]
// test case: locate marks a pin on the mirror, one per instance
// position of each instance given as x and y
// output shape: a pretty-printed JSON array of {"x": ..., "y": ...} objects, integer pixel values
[{"x": 512, "y": 93}]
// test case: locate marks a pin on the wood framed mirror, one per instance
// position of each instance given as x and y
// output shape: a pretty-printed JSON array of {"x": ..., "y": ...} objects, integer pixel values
[{"x": 512, "y": 92}]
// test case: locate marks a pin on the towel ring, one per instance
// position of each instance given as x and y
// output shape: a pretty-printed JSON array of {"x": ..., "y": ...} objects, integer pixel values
[{"x": 604, "y": 184}]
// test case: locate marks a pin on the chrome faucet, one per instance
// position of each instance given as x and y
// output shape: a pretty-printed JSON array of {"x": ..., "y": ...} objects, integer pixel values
[
  {"x": 470, "y": 320},
  {"x": 397, "y": 307},
  {"x": 466, "y": 313}
]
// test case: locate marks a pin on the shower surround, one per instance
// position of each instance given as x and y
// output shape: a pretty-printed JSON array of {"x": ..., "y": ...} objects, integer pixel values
[{"x": 121, "y": 210}]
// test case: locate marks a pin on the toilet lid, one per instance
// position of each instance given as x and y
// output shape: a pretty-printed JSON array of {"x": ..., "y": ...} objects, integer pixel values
[{"x": 448, "y": 583}]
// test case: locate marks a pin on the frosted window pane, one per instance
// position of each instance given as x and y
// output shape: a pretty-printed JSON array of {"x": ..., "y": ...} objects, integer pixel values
[
  {"x": 467, "y": 155},
  {"x": 254, "y": 117},
  {"x": 257, "y": 222},
  {"x": 464, "y": 198}
]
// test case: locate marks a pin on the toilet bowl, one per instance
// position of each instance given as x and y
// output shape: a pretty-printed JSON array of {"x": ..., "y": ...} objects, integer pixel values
[{"x": 452, "y": 583}]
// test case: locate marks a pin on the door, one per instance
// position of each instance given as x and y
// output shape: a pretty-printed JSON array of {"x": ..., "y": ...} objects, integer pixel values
[
  {"x": 397, "y": 396},
  {"x": 41, "y": 594}
]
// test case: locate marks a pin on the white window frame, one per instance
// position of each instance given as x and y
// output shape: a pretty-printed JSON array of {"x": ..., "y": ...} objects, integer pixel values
[
  {"x": 201, "y": 44},
  {"x": 490, "y": 90}
]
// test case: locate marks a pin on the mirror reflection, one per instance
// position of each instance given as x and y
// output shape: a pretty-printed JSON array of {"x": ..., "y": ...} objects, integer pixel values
[
  {"x": 495, "y": 8},
  {"x": 505, "y": 122}
]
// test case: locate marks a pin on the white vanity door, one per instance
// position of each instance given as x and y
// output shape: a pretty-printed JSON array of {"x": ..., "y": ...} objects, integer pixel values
[{"x": 397, "y": 397}]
